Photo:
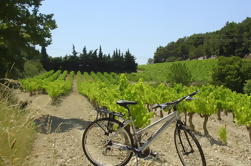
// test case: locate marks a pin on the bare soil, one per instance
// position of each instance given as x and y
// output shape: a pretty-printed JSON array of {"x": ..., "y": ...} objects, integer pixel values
[{"x": 60, "y": 128}]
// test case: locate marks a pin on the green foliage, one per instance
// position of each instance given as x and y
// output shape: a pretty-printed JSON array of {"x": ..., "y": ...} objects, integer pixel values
[
  {"x": 93, "y": 61},
  {"x": 53, "y": 77},
  {"x": 32, "y": 68},
  {"x": 106, "y": 93},
  {"x": 45, "y": 58},
  {"x": 35, "y": 83},
  {"x": 247, "y": 87},
  {"x": 242, "y": 109},
  {"x": 39, "y": 82},
  {"x": 69, "y": 82},
  {"x": 61, "y": 86},
  {"x": 231, "y": 73},
  {"x": 17, "y": 135},
  {"x": 55, "y": 88},
  {"x": 201, "y": 71},
  {"x": 231, "y": 40},
  {"x": 223, "y": 134},
  {"x": 101, "y": 92},
  {"x": 55, "y": 84},
  {"x": 246, "y": 70},
  {"x": 179, "y": 73},
  {"x": 22, "y": 28},
  {"x": 150, "y": 61},
  {"x": 63, "y": 75}
]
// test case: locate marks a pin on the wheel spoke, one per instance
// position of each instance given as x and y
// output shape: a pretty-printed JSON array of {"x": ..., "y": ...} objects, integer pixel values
[
  {"x": 109, "y": 147},
  {"x": 188, "y": 148}
]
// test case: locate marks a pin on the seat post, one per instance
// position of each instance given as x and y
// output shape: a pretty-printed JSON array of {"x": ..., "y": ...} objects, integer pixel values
[
  {"x": 129, "y": 112},
  {"x": 134, "y": 130}
]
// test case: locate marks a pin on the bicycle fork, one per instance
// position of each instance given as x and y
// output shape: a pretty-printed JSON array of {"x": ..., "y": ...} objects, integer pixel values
[{"x": 180, "y": 128}]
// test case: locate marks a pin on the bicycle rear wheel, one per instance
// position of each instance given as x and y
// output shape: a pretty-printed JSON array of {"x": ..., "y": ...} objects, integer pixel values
[
  {"x": 106, "y": 143},
  {"x": 188, "y": 147}
]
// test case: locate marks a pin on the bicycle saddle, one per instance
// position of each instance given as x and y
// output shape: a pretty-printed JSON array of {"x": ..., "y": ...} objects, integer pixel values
[{"x": 124, "y": 103}]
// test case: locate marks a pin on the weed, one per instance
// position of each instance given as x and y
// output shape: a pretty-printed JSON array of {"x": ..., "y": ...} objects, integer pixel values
[
  {"x": 223, "y": 134},
  {"x": 16, "y": 130}
]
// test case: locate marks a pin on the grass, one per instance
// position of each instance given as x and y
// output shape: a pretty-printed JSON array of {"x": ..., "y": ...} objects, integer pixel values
[
  {"x": 17, "y": 131},
  {"x": 223, "y": 134},
  {"x": 201, "y": 71}
]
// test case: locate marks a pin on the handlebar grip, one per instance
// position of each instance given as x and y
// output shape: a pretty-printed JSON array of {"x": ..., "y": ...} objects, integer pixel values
[{"x": 194, "y": 93}]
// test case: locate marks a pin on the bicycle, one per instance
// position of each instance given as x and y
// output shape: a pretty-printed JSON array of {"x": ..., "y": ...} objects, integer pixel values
[{"x": 118, "y": 141}]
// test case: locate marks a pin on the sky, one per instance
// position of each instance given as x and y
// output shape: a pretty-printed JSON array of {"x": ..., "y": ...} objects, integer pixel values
[{"x": 138, "y": 25}]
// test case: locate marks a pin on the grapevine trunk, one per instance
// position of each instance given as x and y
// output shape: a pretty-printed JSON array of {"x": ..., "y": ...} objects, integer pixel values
[
  {"x": 233, "y": 116},
  {"x": 190, "y": 120},
  {"x": 249, "y": 131},
  {"x": 219, "y": 114},
  {"x": 205, "y": 124}
]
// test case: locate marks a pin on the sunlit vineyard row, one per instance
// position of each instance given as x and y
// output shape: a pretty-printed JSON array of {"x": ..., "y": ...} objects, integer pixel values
[
  {"x": 102, "y": 91},
  {"x": 55, "y": 84}
]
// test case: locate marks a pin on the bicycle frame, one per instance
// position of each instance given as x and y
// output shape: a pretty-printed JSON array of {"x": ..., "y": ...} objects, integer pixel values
[{"x": 170, "y": 119}]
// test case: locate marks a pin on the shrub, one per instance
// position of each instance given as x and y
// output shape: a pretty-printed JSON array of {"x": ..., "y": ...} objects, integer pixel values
[
  {"x": 179, "y": 73},
  {"x": 32, "y": 68},
  {"x": 247, "y": 87},
  {"x": 228, "y": 73}
]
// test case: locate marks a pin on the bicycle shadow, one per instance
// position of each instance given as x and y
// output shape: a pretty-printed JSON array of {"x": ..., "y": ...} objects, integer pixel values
[
  {"x": 47, "y": 124},
  {"x": 210, "y": 138}
]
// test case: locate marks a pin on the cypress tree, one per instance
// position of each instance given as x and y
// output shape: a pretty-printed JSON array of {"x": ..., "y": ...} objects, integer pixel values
[{"x": 45, "y": 59}]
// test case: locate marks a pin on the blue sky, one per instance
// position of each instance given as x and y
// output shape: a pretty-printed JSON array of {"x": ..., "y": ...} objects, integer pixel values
[{"x": 138, "y": 25}]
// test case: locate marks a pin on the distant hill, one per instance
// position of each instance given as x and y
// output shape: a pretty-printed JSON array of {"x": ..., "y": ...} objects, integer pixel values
[{"x": 234, "y": 39}]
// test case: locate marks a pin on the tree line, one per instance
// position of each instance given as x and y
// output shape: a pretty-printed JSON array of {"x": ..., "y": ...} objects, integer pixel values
[
  {"x": 234, "y": 39},
  {"x": 23, "y": 28},
  {"x": 92, "y": 60}
]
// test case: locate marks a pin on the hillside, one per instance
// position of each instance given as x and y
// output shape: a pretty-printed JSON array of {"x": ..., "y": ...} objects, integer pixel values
[
  {"x": 201, "y": 71},
  {"x": 231, "y": 40}
]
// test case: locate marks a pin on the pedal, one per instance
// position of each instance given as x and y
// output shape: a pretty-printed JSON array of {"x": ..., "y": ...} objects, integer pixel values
[{"x": 154, "y": 154}]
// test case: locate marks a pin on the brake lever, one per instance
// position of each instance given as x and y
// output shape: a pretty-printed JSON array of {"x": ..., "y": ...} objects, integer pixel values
[{"x": 189, "y": 98}]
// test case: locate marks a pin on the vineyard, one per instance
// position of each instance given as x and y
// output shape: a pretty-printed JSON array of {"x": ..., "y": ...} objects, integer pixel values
[
  {"x": 103, "y": 90},
  {"x": 63, "y": 102},
  {"x": 55, "y": 84},
  {"x": 66, "y": 100}
]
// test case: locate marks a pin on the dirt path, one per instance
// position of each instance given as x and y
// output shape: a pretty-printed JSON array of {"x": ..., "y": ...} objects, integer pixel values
[{"x": 61, "y": 126}]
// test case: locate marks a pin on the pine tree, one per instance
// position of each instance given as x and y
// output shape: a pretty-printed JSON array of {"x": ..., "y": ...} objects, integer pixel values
[
  {"x": 74, "y": 52},
  {"x": 84, "y": 51}
]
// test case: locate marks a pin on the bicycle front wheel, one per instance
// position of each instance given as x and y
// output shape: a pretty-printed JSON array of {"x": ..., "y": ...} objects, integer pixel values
[
  {"x": 105, "y": 143},
  {"x": 188, "y": 147}
]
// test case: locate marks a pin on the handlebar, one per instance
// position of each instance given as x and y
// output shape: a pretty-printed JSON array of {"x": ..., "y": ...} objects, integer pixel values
[{"x": 175, "y": 102}]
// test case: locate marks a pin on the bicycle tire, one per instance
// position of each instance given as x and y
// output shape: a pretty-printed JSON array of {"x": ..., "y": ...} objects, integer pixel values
[
  {"x": 107, "y": 126},
  {"x": 188, "y": 148}
]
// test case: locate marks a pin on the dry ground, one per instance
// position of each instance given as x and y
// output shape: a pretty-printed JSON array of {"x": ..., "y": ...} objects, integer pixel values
[{"x": 60, "y": 129}]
